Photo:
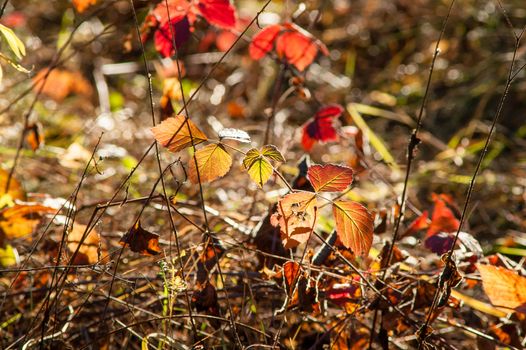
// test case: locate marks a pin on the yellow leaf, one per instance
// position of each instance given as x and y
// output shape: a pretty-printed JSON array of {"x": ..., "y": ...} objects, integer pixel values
[
  {"x": 177, "y": 133},
  {"x": 15, "y": 189},
  {"x": 213, "y": 162},
  {"x": 258, "y": 165}
]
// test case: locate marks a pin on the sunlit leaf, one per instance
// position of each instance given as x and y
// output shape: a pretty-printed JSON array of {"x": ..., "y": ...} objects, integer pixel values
[
  {"x": 21, "y": 220},
  {"x": 8, "y": 256},
  {"x": 15, "y": 44},
  {"x": 443, "y": 218},
  {"x": 296, "y": 217},
  {"x": 141, "y": 241},
  {"x": 330, "y": 177},
  {"x": 354, "y": 225},
  {"x": 420, "y": 223},
  {"x": 83, "y": 5},
  {"x": 504, "y": 288},
  {"x": 88, "y": 252},
  {"x": 58, "y": 84},
  {"x": 220, "y": 13},
  {"x": 258, "y": 165},
  {"x": 234, "y": 134},
  {"x": 291, "y": 274},
  {"x": 164, "y": 35},
  {"x": 213, "y": 162},
  {"x": 177, "y": 133},
  {"x": 14, "y": 191},
  {"x": 293, "y": 44},
  {"x": 263, "y": 42}
]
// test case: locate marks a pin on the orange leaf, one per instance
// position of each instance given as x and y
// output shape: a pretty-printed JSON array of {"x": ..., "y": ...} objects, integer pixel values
[
  {"x": 88, "y": 253},
  {"x": 82, "y": 5},
  {"x": 354, "y": 225},
  {"x": 213, "y": 161},
  {"x": 174, "y": 133},
  {"x": 504, "y": 288},
  {"x": 15, "y": 189},
  {"x": 58, "y": 84},
  {"x": 291, "y": 270},
  {"x": 21, "y": 220},
  {"x": 141, "y": 241},
  {"x": 298, "y": 49},
  {"x": 330, "y": 177},
  {"x": 296, "y": 217}
]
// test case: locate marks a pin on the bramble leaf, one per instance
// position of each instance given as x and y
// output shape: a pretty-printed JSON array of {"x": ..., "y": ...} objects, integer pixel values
[
  {"x": 330, "y": 177},
  {"x": 213, "y": 162},
  {"x": 258, "y": 165},
  {"x": 354, "y": 225},
  {"x": 174, "y": 133},
  {"x": 296, "y": 217}
]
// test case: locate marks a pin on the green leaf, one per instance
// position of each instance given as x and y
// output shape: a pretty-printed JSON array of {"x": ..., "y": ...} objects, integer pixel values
[{"x": 258, "y": 165}]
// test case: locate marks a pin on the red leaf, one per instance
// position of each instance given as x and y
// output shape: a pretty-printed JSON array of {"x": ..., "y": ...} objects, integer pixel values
[
  {"x": 443, "y": 219},
  {"x": 293, "y": 44},
  {"x": 321, "y": 127},
  {"x": 176, "y": 9},
  {"x": 220, "y": 13},
  {"x": 420, "y": 223},
  {"x": 163, "y": 36},
  {"x": 297, "y": 49},
  {"x": 263, "y": 41},
  {"x": 330, "y": 177}
]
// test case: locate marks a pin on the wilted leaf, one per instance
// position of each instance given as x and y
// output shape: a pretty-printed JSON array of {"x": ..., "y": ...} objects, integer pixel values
[
  {"x": 420, "y": 223},
  {"x": 164, "y": 35},
  {"x": 174, "y": 133},
  {"x": 504, "y": 288},
  {"x": 213, "y": 162},
  {"x": 330, "y": 177},
  {"x": 88, "y": 253},
  {"x": 234, "y": 134},
  {"x": 83, "y": 5},
  {"x": 443, "y": 219},
  {"x": 61, "y": 83},
  {"x": 141, "y": 241},
  {"x": 258, "y": 165},
  {"x": 291, "y": 274},
  {"x": 354, "y": 225},
  {"x": 34, "y": 136},
  {"x": 321, "y": 128},
  {"x": 296, "y": 217},
  {"x": 21, "y": 220},
  {"x": 15, "y": 190}
]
